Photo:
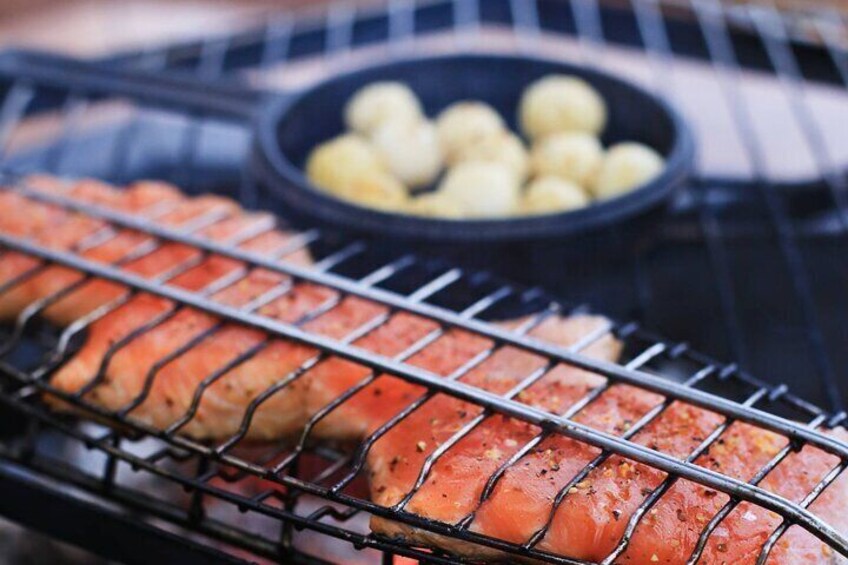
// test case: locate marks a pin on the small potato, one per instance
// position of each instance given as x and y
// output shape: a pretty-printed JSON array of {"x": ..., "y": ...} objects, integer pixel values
[
  {"x": 576, "y": 157},
  {"x": 549, "y": 194},
  {"x": 464, "y": 124},
  {"x": 332, "y": 165},
  {"x": 434, "y": 205},
  {"x": 482, "y": 189},
  {"x": 626, "y": 166},
  {"x": 502, "y": 147},
  {"x": 376, "y": 189},
  {"x": 558, "y": 103},
  {"x": 381, "y": 102},
  {"x": 411, "y": 150}
]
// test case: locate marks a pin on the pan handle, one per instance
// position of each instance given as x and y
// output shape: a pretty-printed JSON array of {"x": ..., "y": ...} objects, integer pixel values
[{"x": 222, "y": 98}]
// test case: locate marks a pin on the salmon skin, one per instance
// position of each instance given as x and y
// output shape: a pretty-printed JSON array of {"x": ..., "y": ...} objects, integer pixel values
[{"x": 213, "y": 380}]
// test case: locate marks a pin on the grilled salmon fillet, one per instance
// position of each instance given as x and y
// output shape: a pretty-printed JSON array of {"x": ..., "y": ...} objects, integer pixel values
[{"x": 175, "y": 367}]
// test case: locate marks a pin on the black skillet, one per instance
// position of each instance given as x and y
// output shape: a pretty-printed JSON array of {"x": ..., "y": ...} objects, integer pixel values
[{"x": 287, "y": 125}]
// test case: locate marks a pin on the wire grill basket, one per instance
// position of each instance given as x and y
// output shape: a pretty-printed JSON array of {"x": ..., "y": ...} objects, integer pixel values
[{"x": 220, "y": 456}]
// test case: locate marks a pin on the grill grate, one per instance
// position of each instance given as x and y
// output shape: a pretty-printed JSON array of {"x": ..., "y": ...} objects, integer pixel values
[
  {"x": 790, "y": 215},
  {"x": 215, "y": 472}
]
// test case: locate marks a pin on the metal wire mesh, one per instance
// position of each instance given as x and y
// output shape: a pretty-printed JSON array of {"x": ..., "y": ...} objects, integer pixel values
[
  {"x": 632, "y": 373},
  {"x": 287, "y": 494}
]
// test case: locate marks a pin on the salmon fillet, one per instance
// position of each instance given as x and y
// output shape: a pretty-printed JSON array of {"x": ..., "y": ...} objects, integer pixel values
[{"x": 214, "y": 380}]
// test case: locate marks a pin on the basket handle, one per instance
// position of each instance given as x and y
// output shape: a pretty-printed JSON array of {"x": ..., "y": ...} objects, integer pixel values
[{"x": 225, "y": 99}]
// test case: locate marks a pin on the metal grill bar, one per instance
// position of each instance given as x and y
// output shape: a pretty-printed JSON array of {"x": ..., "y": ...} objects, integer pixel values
[
  {"x": 771, "y": 29},
  {"x": 475, "y": 309},
  {"x": 211, "y": 288},
  {"x": 374, "y": 278},
  {"x": 495, "y": 477},
  {"x": 655, "y": 495},
  {"x": 731, "y": 505},
  {"x": 710, "y": 14},
  {"x": 563, "y": 492},
  {"x": 58, "y": 353},
  {"x": 655, "y": 37},
  {"x": 18, "y": 99},
  {"x": 340, "y": 19},
  {"x": 590, "y": 36},
  {"x": 277, "y": 40},
  {"x": 119, "y": 160},
  {"x": 366, "y": 445},
  {"x": 558, "y": 561},
  {"x": 833, "y": 43},
  {"x": 466, "y": 14},
  {"x": 401, "y": 14},
  {"x": 285, "y": 516},
  {"x": 587, "y": 18},
  {"x": 36, "y": 308},
  {"x": 523, "y": 385},
  {"x": 834, "y": 474},
  {"x": 526, "y": 17},
  {"x": 462, "y": 391},
  {"x": 641, "y": 379},
  {"x": 97, "y": 238},
  {"x": 75, "y": 105},
  {"x": 358, "y": 333}
]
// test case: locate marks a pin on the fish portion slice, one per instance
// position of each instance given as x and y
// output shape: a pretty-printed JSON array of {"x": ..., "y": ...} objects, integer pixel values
[
  {"x": 89, "y": 237},
  {"x": 133, "y": 377},
  {"x": 177, "y": 368}
]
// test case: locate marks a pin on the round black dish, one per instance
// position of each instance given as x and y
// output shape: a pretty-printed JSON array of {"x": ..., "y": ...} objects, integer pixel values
[{"x": 292, "y": 125}]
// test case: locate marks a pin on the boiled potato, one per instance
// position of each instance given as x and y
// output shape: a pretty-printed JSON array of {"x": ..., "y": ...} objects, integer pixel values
[
  {"x": 392, "y": 147},
  {"x": 561, "y": 103},
  {"x": 381, "y": 102},
  {"x": 464, "y": 124},
  {"x": 411, "y": 150},
  {"x": 375, "y": 189},
  {"x": 549, "y": 194},
  {"x": 502, "y": 147},
  {"x": 435, "y": 205},
  {"x": 626, "y": 166},
  {"x": 332, "y": 165},
  {"x": 482, "y": 189},
  {"x": 576, "y": 157}
]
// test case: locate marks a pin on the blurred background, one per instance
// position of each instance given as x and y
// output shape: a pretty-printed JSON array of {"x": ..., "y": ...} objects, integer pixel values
[{"x": 92, "y": 27}]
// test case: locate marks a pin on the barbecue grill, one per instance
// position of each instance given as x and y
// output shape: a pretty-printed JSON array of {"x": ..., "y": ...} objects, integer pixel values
[{"x": 120, "y": 485}]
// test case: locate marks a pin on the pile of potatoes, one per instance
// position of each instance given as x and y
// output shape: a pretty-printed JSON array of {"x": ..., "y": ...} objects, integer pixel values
[{"x": 393, "y": 154}]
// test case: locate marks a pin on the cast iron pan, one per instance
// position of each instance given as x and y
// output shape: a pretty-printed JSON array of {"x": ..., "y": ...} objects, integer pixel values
[
  {"x": 292, "y": 125},
  {"x": 287, "y": 125}
]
